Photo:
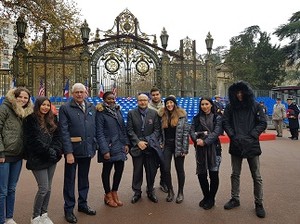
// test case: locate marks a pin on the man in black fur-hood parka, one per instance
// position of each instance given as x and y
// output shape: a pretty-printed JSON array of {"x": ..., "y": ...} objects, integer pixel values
[{"x": 244, "y": 121}]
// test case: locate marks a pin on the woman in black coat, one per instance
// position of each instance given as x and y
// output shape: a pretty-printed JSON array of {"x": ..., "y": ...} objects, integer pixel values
[
  {"x": 205, "y": 130},
  {"x": 113, "y": 146},
  {"x": 43, "y": 149}
]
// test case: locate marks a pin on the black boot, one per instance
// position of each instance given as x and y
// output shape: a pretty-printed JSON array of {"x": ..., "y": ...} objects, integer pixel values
[
  {"x": 204, "y": 187},
  {"x": 180, "y": 196},
  {"x": 170, "y": 196},
  {"x": 214, "y": 185}
]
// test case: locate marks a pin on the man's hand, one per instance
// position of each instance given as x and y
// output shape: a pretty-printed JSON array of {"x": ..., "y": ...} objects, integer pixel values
[
  {"x": 70, "y": 158},
  {"x": 2, "y": 160},
  {"x": 106, "y": 156}
]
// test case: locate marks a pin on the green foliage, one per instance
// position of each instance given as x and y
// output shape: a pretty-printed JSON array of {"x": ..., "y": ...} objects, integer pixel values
[
  {"x": 291, "y": 31},
  {"x": 54, "y": 15},
  {"x": 253, "y": 59}
]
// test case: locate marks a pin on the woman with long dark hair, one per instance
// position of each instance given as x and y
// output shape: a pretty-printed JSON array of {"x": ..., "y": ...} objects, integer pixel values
[
  {"x": 175, "y": 131},
  {"x": 16, "y": 106},
  {"x": 114, "y": 145},
  {"x": 205, "y": 130},
  {"x": 43, "y": 149}
]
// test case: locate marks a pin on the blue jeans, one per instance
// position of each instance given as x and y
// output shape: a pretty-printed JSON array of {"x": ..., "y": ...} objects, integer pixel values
[
  {"x": 9, "y": 176},
  {"x": 254, "y": 165}
]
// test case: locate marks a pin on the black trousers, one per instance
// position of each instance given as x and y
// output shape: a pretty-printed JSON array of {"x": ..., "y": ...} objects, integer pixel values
[
  {"x": 149, "y": 161},
  {"x": 83, "y": 165},
  {"x": 106, "y": 170},
  {"x": 169, "y": 152}
]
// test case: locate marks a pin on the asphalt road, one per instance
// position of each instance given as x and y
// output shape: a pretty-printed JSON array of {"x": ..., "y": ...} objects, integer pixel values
[{"x": 280, "y": 168}]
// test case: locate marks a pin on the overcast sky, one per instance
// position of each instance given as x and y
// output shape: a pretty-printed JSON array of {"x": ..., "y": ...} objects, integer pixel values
[{"x": 193, "y": 18}]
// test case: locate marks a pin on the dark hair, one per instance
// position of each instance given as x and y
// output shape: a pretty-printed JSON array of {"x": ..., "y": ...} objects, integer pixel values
[
  {"x": 18, "y": 91},
  {"x": 154, "y": 89},
  {"x": 213, "y": 108},
  {"x": 106, "y": 94},
  {"x": 47, "y": 122}
]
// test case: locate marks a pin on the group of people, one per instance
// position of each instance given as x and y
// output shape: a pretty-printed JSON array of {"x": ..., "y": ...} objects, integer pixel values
[
  {"x": 280, "y": 113},
  {"x": 156, "y": 131}
]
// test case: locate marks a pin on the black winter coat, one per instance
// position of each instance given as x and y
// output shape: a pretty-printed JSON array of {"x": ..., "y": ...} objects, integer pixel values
[
  {"x": 243, "y": 121},
  {"x": 292, "y": 115},
  {"x": 42, "y": 149}
]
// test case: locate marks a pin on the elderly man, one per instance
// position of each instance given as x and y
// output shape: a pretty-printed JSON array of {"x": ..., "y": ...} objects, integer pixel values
[
  {"x": 77, "y": 123},
  {"x": 143, "y": 128}
]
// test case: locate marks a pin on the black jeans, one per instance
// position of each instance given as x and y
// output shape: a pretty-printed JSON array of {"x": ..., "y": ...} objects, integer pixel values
[
  {"x": 106, "y": 170},
  {"x": 169, "y": 152}
]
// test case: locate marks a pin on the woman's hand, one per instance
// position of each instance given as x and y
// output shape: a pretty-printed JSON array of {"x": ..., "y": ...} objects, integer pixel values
[
  {"x": 126, "y": 149},
  {"x": 200, "y": 142}
]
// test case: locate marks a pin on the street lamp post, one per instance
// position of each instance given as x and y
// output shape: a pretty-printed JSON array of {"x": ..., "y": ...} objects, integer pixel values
[
  {"x": 20, "y": 54},
  {"x": 21, "y": 29},
  {"x": 85, "y": 55},
  {"x": 209, "y": 43},
  {"x": 164, "y": 37}
]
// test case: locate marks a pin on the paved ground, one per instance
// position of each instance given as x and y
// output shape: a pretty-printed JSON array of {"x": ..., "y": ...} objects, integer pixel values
[{"x": 280, "y": 168}]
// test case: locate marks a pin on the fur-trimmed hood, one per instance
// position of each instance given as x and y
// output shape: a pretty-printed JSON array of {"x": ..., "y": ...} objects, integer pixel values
[
  {"x": 101, "y": 107},
  {"x": 181, "y": 112},
  {"x": 248, "y": 96},
  {"x": 11, "y": 102}
]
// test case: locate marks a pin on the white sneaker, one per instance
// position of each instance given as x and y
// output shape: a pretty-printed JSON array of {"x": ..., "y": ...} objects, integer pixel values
[
  {"x": 45, "y": 219},
  {"x": 10, "y": 221},
  {"x": 36, "y": 220}
]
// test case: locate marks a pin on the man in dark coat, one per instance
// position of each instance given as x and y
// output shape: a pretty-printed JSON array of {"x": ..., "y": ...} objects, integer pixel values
[
  {"x": 143, "y": 123},
  {"x": 77, "y": 123},
  {"x": 292, "y": 115},
  {"x": 244, "y": 121}
]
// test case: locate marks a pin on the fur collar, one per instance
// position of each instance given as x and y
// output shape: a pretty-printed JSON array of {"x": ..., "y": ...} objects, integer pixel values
[
  {"x": 248, "y": 95},
  {"x": 11, "y": 102},
  {"x": 101, "y": 107}
]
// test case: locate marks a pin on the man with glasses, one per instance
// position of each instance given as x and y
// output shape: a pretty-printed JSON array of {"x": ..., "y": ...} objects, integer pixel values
[
  {"x": 143, "y": 128},
  {"x": 156, "y": 103},
  {"x": 77, "y": 124}
]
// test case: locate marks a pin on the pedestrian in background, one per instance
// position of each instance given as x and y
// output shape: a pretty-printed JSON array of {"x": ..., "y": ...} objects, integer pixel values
[
  {"x": 175, "y": 132},
  {"x": 205, "y": 130},
  {"x": 292, "y": 115},
  {"x": 244, "y": 121},
  {"x": 278, "y": 115},
  {"x": 78, "y": 130},
  {"x": 113, "y": 146},
  {"x": 15, "y": 107},
  {"x": 43, "y": 149}
]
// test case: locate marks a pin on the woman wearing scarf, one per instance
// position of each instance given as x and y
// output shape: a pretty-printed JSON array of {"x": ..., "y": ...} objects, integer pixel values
[
  {"x": 113, "y": 144},
  {"x": 205, "y": 130}
]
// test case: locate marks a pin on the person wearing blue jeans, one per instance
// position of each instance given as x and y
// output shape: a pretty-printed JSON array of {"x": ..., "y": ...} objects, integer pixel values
[
  {"x": 16, "y": 106},
  {"x": 9, "y": 176}
]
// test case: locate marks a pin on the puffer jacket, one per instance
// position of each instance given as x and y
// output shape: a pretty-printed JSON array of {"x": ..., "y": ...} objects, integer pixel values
[
  {"x": 11, "y": 118},
  {"x": 111, "y": 134},
  {"x": 243, "y": 121},
  {"x": 79, "y": 125},
  {"x": 182, "y": 132}
]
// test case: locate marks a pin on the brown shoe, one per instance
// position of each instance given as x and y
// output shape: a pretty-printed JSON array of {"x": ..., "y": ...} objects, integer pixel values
[
  {"x": 108, "y": 200},
  {"x": 116, "y": 198}
]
